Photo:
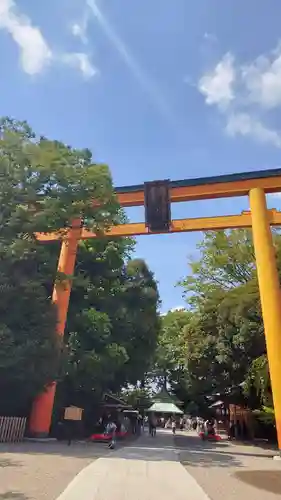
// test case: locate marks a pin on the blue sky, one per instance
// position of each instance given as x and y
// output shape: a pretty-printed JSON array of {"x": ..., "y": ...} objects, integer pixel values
[{"x": 156, "y": 89}]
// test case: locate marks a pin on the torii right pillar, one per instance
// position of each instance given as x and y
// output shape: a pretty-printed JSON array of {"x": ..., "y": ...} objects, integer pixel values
[{"x": 270, "y": 295}]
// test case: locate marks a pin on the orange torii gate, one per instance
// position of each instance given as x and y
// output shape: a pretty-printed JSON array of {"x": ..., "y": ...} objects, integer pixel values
[{"x": 156, "y": 197}]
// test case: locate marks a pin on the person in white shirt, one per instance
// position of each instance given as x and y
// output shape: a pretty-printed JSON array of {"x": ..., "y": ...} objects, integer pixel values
[{"x": 111, "y": 430}]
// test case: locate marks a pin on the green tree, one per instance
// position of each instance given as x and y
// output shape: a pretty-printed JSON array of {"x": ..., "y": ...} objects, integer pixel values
[
  {"x": 112, "y": 326},
  {"x": 170, "y": 356},
  {"x": 44, "y": 185},
  {"x": 30, "y": 349},
  {"x": 181, "y": 345},
  {"x": 138, "y": 397},
  {"x": 226, "y": 261},
  {"x": 138, "y": 320},
  {"x": 227, "y": 345},
  {"x": 113, "y": 319}
]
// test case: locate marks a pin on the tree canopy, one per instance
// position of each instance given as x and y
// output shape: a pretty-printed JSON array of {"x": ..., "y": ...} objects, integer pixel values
[
  {"x": 218, "y": 343},
  {"x": 112, "y": 325}
]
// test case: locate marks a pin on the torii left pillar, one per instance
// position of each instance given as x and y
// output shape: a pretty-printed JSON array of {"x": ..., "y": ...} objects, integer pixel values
[{"x": 42, "y": 409}]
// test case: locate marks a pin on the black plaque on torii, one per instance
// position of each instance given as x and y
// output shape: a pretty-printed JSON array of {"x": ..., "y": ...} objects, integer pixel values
[{"x": 157, "y": 206}]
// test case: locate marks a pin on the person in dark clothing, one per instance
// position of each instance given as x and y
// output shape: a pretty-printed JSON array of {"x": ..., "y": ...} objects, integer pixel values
[
  {"x": 238, "y": 429},
  {"x": 152, "y": 426},
  {"x": 231, "y": 432},
  {"x": 245, "y": 432},
  {"x": 182, "y": 424}
]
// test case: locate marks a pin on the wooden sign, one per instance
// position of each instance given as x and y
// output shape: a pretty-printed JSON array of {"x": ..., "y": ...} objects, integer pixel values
[
  {"x": 157, "y": 206},
  {"x": 73, "y": 413},
  {"x": 236, "y": 410}
]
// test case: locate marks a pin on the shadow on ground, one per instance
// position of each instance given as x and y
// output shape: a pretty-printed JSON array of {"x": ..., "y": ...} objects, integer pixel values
[
  {"x": 266, "y": 480},
  {"x": 196, "y": 453},
  {"x": 193, "y": 451},
  {"x": 257, "y": 443},
  {"x": 77, "y": 450},
  {"x": 13, "y": 495},
  {"x": 9, "y": 463},
  {"x": 189, "y": 450}
]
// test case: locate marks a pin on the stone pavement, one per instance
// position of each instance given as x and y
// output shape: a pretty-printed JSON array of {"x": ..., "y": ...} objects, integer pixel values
[
  {"x": 42, "y": 470},
  {"x": 231, "y": 471},
  {"x": 147, "y": 470}
]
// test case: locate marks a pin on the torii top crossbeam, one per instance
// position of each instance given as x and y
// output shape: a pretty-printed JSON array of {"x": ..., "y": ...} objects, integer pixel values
[
  {"x": 223, "y": 186},
  {"x": 204, "y": 188}
]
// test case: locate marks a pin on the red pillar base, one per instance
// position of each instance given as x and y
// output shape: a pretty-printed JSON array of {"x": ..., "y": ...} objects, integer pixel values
[{"x": 41, "y": 414}]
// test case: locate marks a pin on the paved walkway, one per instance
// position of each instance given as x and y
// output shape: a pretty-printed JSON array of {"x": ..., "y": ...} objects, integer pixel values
[
  {"x": 147, "y": 470},
  {"x": 230, "y": 471},
  {"x": 42, "y": 470}
]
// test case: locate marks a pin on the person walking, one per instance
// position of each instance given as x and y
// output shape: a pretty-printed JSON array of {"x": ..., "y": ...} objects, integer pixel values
[
  {"x": 111, "y": 431},
  {"x": 181, "y": 424},
  {"x": 174, "y": 426},
  {"x": 152, "y": 425},
  {"x": 168, "y": 423},
  {"x": 188, "y": 424}
]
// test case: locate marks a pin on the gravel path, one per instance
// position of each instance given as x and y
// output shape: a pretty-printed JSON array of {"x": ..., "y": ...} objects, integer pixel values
[
  {"x": 227, "y": 471},
  {"x": 41, "y": 471}
]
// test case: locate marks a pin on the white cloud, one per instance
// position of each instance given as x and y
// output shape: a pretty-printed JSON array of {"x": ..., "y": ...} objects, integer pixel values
[
  {"x": 35, "y": 53},
  {"x": 244, "y": 93},
  {"x": 217, "y": 85},
  {"x": 82, "y": 62},
  {"x": 177, "y": 308},
  {"x": 263, "y": 80},
  {"x": 246, "y": 125},
  {"x": 173, "y": 309},
  {"x": 210, "y": 37},
  {"x": 79, "y": 29}
]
